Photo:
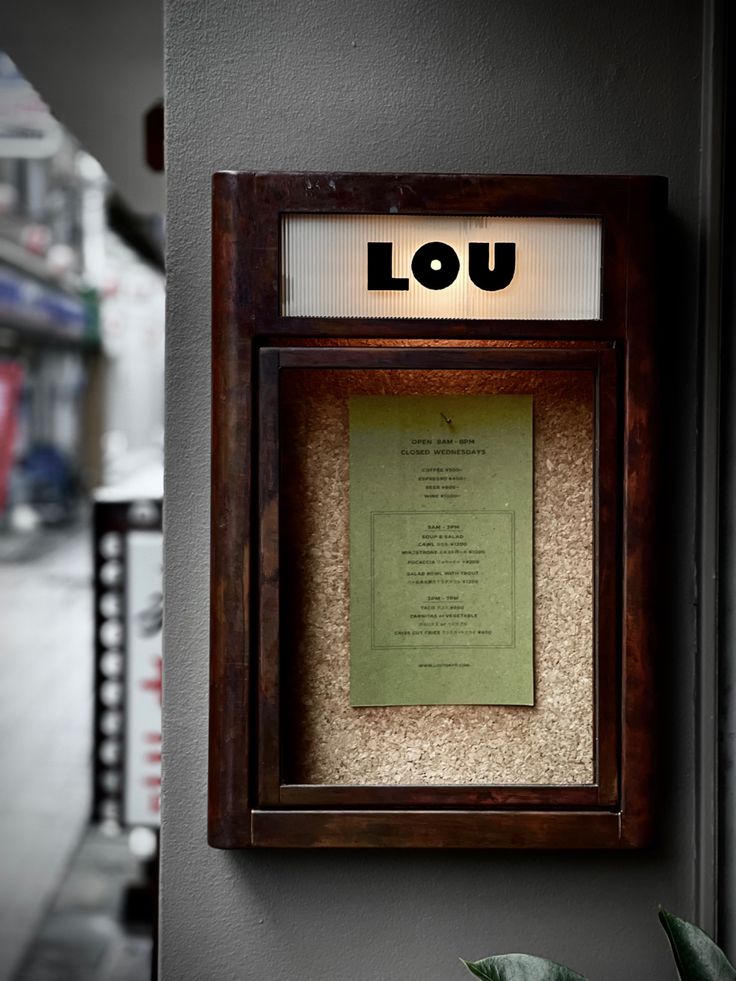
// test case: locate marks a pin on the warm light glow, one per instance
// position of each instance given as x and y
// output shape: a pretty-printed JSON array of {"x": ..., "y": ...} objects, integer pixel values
[{"x": 554, "y": 267}]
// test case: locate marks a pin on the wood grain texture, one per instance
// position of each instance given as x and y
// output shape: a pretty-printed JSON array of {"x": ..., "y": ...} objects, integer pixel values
[
  {"x": 435, "y": 829},
  {"x": 641, "y": 487},
  {"x": 230, "y": 593},
  {"x": 499, "y": 796},
  {"x": 607, "y": 551},
  {"x": 269, "y": 587}
]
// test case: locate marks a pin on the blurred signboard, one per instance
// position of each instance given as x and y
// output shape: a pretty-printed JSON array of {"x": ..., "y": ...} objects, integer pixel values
[
  {"x": 27, "y": 128},
  {"x": 28, "y": 303},
  {"x": 11, "y": 380},
  {"x": 128, "y": 620},
  {"x": 143, "y": 617}
]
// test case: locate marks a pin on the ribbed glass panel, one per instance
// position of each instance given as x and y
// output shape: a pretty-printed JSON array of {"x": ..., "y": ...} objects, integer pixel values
[{"x": 324, "y": 267}]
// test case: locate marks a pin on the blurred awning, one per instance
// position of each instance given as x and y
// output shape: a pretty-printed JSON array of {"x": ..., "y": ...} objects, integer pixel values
[{"x": 36, "y": 308}]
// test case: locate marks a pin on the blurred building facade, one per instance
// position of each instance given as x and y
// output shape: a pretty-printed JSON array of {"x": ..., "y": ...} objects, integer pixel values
[
  {"x": 81, "y": 413},
  {"x": 81, "y": 323}
]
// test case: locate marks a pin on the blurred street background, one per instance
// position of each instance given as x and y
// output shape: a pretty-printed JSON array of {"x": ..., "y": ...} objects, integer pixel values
[{"x": 81, "y": 436}]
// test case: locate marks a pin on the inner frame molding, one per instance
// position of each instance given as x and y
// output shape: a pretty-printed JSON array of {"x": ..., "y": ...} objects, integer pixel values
[
  {"x": 270, "y": 783},
  {"x": 277, "y": 577}
]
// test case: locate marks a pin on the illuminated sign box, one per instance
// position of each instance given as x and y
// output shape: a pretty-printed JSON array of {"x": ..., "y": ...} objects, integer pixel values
[
  {"x": 433, "y": 511},
  {"x": 407, "y": 266}
]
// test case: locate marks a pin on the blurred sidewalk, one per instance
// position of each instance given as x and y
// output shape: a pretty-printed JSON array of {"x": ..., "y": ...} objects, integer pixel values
[
  {"x": 89, "y": 933},
  {"x": 45, "y": 725}
]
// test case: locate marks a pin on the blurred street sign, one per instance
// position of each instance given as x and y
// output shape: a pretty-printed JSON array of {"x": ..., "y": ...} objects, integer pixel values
[
  {"x": 11, "y": 380},
  {"x": 128, "y": 622}
]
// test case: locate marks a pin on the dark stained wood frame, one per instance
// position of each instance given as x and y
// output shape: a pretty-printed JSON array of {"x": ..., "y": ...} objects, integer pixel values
[{"x": 249, "y": 804}]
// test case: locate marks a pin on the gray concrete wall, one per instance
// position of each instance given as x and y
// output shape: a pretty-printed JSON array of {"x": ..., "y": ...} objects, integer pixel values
[{"x": 396, "y": 85}]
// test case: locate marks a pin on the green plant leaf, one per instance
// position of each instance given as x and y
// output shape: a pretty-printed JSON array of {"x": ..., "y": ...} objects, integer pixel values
[
  {"x": 520, "y": 967},
  {"x": 697, "y": 957}
]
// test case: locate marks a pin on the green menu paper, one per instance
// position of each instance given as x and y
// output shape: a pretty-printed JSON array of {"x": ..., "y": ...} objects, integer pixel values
[{"x": 441, "y": 589}]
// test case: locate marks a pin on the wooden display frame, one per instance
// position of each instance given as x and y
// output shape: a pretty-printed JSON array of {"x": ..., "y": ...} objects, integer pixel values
[{"x": 250, "y": 803}]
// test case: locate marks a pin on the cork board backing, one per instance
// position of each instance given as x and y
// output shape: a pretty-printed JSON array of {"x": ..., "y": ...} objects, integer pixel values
[{"x": 329, "y": 742}]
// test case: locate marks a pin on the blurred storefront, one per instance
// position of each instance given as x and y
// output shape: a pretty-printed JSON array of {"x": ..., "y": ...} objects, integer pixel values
[
  {"x": 81, "y": 324},
  {"x": 81, "y": 420}
]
